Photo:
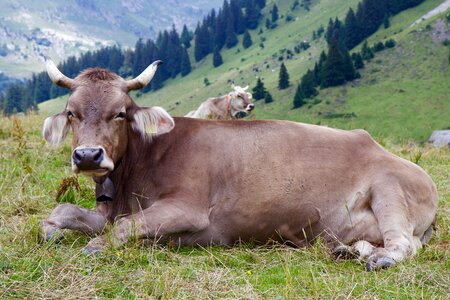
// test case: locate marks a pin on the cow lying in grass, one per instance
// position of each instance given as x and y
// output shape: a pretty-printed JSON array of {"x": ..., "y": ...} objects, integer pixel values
[
  {"x": 225, "y": 107},
  {"x": 198, "y": 182}
]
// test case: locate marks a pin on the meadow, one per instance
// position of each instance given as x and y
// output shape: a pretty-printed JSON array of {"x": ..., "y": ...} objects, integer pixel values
[
  {"x": 401, "y": 97},
  {"x": 32, "y": 174}
]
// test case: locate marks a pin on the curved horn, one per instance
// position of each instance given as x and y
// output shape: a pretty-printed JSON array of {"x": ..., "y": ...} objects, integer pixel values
[
  {"x": 144, "y": 78},
  {"x": 56, "y": 76},
  {"x": 245, "y": 88}
]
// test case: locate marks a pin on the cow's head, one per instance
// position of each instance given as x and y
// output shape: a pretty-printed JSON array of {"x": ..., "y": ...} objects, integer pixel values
[
  {"x": 102, "y": 115},
  {"x": 240, "y": 100}
]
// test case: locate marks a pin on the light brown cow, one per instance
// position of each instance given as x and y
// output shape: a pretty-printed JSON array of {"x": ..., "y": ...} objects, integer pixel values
[
  {"x": 225, "y": 107},
  {"x": 201, "y": 182}
]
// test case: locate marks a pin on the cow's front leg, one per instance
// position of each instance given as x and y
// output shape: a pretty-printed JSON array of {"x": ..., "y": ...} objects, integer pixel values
[
  {"x": 161, "y": 219},
  {"x": 69, "y": 216}
]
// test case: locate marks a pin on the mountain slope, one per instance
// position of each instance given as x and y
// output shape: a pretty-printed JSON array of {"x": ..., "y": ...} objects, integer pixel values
[
  {"x": 30, "y": 29},
  {"x": 403, "y": 93}
]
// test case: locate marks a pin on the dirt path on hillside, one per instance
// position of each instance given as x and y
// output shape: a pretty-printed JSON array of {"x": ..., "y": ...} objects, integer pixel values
[{"x": 441, "y": 8}]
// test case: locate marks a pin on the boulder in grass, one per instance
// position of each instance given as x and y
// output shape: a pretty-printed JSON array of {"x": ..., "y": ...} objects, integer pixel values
[{"x": 440, "y": 138}]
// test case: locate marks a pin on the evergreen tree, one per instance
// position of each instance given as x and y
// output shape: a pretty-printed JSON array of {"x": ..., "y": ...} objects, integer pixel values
[
  {"x": 217, "y": 58},
  {"x": 268, "y": 98},
  {"x": 359, "y": 64},
  {"x": 332, "y": 73},
  {"x": 283, "y": 78},
  {"x": 13, "y": 98},
  {"x": 352, "y": 30},
  {"x": 202, "y": 42},
  {"x": 220, "y": 34},
  {"x": 299, "y": 98},
  {"x": 247, "y": 40},
  {"x": 259, "y": 91},
  {"x": 252, "y": 14},
  {"x": 268, "y": 24},
  {"x": 239, "y": 21},
  {"x": 366, "y": 52},
  {"x": 348, "y": 68},
  {"x": 308, "y": 86},
  {"x": 186, "y": 37},
  {"x": 185, "y": 62},
  {"x": 274, "y": 13},
  {"x": 232, "y": 39}
]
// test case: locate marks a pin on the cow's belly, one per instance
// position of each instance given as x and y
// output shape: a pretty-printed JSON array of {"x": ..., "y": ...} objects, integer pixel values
[{"x": 290, "y": 220}]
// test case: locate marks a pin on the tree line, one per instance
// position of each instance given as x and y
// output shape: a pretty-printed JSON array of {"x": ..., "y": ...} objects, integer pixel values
[
  {"x": 216, "y": 31},
  {"x": 336, "y": 66}
]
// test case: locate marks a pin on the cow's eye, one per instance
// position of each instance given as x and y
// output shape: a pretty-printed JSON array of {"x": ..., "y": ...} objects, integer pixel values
[
  {"x": 120, "y": 116},
  {"x": 70, "y": 114}
]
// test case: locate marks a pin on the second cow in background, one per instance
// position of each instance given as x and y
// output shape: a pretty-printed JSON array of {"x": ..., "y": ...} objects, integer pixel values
[{"x": 225, "y": 107}]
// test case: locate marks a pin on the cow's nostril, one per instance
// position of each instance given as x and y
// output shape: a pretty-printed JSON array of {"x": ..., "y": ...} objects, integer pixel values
[
  {"x": 76, "y": 156},
  {"x": 98, "y": 155}
]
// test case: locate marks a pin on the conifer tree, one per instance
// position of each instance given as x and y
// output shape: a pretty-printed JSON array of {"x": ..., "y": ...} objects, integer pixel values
[
  {"x": 308, "y": 86},
  {"x": 247, "y": 40},
  {"x": 352, "y": 30},
  {"x": 283, "y": 78},
  {"x": 202, "y": 42},
  {"x": 359, "y": 64},
  {"x": 299, "y": 98},
  {"x": 219, "y": 31},
  {"x": 185, "y": 63},
  {"x": 217, "y": 58},
  {"x": 232, "y": 39},
  {"x": 259, "y": 91},
  {"x": 274, "y": 13},
  {"x": 332, "y": 73},
  {"x": 268, "y": 98},
  {"x": 252, "y": 14},
  {"x": 186, "y": 37},
  {"x": 366, "y": 52}
]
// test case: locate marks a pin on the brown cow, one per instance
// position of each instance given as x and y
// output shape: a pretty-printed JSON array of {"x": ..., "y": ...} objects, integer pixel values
[
  {"x": 225, "y": 107},
  {"x": 203, "y": 182}
]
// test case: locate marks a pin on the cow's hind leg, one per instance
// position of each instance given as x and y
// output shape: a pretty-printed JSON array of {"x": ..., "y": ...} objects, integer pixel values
[
  {"x": 69, "y": 216},
  {"x": 390, "y": 208}
]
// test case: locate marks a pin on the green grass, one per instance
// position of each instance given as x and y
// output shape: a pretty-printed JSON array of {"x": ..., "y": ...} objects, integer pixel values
[
  {"x": 31, "y": 174},
  {"x": 400, "y": 99}
]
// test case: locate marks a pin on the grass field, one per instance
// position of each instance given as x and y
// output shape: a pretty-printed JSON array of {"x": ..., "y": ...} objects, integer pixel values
[
  {"x": 31, "y": 174},
  {"x": 401, "y": 98}
]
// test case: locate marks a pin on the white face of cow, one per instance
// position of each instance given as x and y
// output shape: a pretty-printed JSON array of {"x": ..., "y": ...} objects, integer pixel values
[
  {"x": 241, "y": 100},
  {"x": 101, "y": 115}
]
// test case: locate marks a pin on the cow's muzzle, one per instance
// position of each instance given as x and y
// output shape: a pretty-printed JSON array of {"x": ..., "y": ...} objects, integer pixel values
[
  {"x": 250, "y": 107},
  {"x": 91, "y": 160}
]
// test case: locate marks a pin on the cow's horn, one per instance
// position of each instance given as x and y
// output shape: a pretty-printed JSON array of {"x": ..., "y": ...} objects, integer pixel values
[
  {"x": 245, "y": 88},
  {"x": 144, "y": 78},
  {"x": 56, "y": 76}
]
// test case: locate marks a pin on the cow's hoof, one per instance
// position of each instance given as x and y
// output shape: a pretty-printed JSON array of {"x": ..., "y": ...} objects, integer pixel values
[
  {"x": 344, "y": 252},
  {"x": 374, "y": 263},
  {"x": 90, "y": 250},
  {"x": 50, "y": 232}
]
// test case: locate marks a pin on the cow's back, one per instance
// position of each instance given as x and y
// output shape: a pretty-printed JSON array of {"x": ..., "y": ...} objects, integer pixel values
[{"x": 261, "y": 179}]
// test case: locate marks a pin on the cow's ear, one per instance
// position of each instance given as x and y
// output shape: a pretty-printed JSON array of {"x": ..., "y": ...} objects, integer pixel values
[
  {"x": 152, "y": 121},
  {"x": 56, "y": 128}
]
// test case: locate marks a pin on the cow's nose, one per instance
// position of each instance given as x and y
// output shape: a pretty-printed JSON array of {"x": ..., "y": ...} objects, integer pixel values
[
  {"x": 88, "y": 158},
  {"x": 250, "y": 107}
]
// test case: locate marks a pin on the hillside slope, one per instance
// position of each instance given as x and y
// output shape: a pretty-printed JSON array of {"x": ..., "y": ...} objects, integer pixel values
[{"x": 403, "y": 93}]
